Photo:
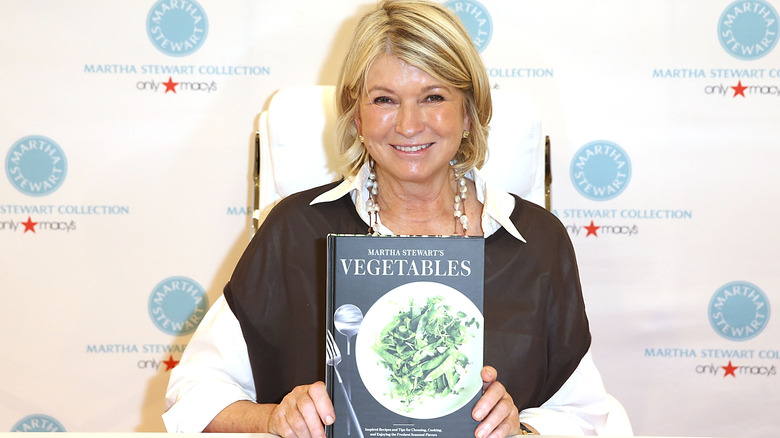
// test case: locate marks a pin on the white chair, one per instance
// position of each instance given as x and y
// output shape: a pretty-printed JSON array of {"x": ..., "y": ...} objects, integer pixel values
[{"x": 295, "y": 146}]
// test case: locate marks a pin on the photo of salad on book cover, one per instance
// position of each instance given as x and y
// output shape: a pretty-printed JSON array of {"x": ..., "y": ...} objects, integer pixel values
[{"x": 418, "y": 354}]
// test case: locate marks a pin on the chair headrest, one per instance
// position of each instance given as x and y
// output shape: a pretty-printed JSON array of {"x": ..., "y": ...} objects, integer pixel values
[
  {"x": 515, "y": 160},
  {"x": 301, "y": 133}
]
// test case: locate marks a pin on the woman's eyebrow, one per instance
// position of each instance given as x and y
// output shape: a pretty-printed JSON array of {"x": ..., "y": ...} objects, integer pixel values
[{"x": 425, "y": 89}]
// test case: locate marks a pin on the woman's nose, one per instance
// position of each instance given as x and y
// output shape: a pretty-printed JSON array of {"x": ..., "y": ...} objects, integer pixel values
[{"x": 410, "y": 120}]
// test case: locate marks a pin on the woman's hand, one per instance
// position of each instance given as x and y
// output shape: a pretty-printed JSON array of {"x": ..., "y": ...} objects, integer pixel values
[
  {"x": 495, "y": 410},
  {"x": 303, "y": 413}
]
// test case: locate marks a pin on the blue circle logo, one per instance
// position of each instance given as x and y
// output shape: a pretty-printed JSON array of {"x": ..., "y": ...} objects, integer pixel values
[
  {"x": 36, "y": 165},
  {"x": 475, "y": 19},
  {"x": 177, "y": 28},
  {"x": 177, "y": 305},
  {"x": 600, "y": 170},
  {"x": 739, "y": 311},
  {"x": 38, "y": 423},
  {"x": 747, "y": 30}
]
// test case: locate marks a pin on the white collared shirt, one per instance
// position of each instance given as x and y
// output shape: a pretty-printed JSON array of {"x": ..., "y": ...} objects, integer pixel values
[{"x": 215, "y": 372}]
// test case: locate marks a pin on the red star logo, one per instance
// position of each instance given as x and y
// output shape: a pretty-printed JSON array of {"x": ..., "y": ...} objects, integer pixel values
[
  {"x": 170, "y": 85},
  {"x": 592, "y": 228},
  {"x": 29, "y": 225},
  {"x": 730, "y": 370},
  {"x": 739, "y": 90},
  {"x": 170, "y": 363}
]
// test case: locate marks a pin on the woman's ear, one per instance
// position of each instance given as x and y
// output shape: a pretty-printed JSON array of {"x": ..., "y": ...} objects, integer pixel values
[
  {"x": 466, "y": 118},
  {"x": 466, "y": 122},
  {"x": 356, "y": 120}
]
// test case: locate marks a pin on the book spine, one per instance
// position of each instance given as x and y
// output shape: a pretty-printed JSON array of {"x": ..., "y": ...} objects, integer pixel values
[{"x": 329, "y": 311}]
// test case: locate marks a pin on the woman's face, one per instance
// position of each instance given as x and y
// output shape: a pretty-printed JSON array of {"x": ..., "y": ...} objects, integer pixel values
[{"x": 412, "y": 124}]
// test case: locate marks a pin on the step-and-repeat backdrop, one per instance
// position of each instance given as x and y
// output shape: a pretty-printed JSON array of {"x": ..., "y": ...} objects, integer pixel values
[{"x": 126, "y": 140}]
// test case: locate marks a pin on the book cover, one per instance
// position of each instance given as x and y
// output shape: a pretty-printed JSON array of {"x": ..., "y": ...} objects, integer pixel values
[{"x": 405, "y": 334}]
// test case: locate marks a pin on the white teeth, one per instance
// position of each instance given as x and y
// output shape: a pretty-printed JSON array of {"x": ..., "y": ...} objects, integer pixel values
[{"x": 411, "y": 148}]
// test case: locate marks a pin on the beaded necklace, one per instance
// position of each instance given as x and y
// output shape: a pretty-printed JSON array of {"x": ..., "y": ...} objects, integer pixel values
[{"x": 372, "y": 206}]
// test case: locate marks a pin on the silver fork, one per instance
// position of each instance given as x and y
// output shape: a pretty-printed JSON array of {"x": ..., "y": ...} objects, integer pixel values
[{"x": 333, "y": 359}]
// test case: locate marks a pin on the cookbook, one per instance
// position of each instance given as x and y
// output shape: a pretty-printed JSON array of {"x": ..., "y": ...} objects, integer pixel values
[{"x": 404, "y": 334}]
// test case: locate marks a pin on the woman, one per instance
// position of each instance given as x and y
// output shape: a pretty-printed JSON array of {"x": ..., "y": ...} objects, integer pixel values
[{"x": 414, "y": 105}]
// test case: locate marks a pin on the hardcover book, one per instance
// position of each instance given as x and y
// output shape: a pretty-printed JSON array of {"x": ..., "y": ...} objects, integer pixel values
[{"x": 405, "y": 334}]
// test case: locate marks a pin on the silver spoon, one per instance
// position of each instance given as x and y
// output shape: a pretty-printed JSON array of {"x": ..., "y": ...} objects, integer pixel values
[{"x": 347, "y": 320}]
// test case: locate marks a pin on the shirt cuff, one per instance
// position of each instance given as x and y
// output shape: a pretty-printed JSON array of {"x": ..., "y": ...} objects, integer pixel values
[
  {"x": 204, "y": 401},
  {"x": 580, "y": 407},
  {"x": 551, "y": 422}
]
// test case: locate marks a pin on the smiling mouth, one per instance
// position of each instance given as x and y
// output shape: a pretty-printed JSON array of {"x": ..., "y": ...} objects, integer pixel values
[{"x": 412, "y": 148}]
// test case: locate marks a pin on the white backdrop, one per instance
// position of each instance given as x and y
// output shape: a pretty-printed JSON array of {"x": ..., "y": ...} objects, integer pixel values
[{"x": 126, "y": 139}]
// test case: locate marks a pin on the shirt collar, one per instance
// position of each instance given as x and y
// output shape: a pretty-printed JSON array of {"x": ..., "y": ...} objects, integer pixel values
[{"x": 498, "y": 204}]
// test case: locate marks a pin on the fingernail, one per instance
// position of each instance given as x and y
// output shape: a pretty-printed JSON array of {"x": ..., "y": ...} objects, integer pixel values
[
  {"x": 478, "y": 414},
  {"x": 328, "y": 420}
]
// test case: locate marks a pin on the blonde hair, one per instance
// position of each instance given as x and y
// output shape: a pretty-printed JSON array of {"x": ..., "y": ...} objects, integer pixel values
[{"x": 430, "y": 37}]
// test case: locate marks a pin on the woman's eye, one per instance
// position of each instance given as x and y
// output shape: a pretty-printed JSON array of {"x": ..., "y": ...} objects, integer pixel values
[
  {"x": 435, "y": 98},
  {"x": 382, "y": 100}
]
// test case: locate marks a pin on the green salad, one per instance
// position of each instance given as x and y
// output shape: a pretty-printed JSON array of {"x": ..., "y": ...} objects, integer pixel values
[{"x": 420, "y": 347}]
